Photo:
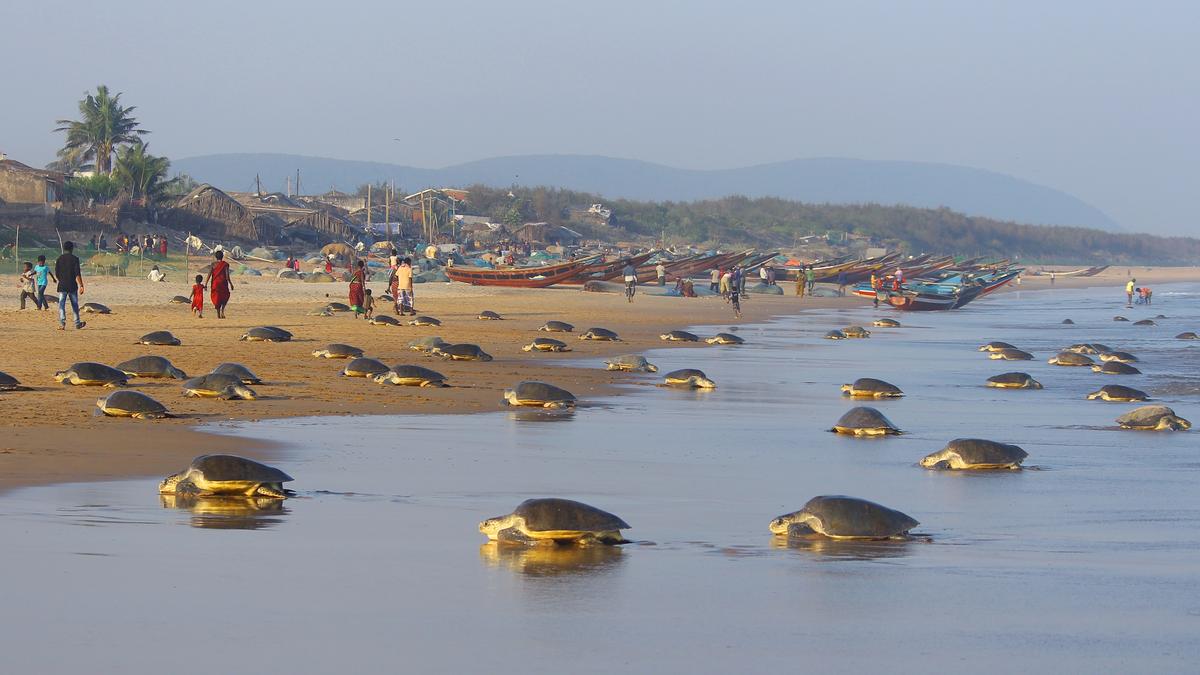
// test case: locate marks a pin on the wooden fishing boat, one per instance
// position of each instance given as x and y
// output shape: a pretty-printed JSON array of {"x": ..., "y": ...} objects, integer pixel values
[
  {"x": 607, "y": 271},
  {"x": 519, "y": 277}
]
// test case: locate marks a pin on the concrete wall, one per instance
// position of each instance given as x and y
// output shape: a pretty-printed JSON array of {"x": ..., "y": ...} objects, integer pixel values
[{"x": 18, "y": 187}]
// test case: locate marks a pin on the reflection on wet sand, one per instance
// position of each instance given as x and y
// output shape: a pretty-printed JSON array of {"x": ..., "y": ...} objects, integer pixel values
[
  {"x": 845, "y": 549},
  {"x": 541, "y": 415},
  {"x": 228, "y": 513},
  {"x": 551, "y": 559}
]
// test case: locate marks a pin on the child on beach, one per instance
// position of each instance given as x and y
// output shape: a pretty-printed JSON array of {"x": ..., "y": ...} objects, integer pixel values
[
  {"x": 198, "y": 297},
  {"x": 735, "y": 299},
  {"x": 42, "y": 277},
  {"x": 368, "y": 305},
  {"x": 27, "y": 286}
]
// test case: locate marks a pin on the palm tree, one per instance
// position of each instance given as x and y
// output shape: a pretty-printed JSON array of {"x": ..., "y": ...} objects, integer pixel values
[
  {"x": 139, "y": 172},
  {"x": 103, "y": 125}
]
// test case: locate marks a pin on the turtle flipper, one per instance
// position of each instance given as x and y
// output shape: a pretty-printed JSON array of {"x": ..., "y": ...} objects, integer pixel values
[
  {"x": 512, "y": 535},
  {"x": 264, "y": 490}
]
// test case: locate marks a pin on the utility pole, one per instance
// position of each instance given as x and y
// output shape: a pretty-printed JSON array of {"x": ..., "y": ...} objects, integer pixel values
[
  {"x": 297, "y": 182},
  {"x": 288, "y": 188},
  {"x": 387, "y": 209},
  {"x": 257, "y": 185},
  {"x": 368, "y": 206}
]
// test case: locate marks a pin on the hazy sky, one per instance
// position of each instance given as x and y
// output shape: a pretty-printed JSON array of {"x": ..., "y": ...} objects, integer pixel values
[{"x": 1095, "y": 98}]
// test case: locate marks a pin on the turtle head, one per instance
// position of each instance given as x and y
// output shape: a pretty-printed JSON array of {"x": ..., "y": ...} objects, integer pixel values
[
  {"x": 320, "y": 352},
  {"x": 383, "y": 378},
  {"x": 172, "y": 483},
  {"x": 527, "y": 348},
  {"x": 703, "y": 382},
  {"x": 177, "y": 374},
  {"x": 937, "y": 460},
  {"x": 239, "y": 391},
  {"x": 510, "y": 398},
  {"x": 651, "y": 368},
  {"x": 847, "y": 388},
  {"x": 492, "y": 526},
  {"x": 62, "y": 375},
  {"x": 781, "y": 524}
]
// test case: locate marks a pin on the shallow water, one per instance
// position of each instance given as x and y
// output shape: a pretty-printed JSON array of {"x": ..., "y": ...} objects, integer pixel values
[{"x": 1086, "y": 563}]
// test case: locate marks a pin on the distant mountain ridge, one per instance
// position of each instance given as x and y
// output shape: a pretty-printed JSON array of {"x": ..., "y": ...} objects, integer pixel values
[{"x": 968, "y": 190}]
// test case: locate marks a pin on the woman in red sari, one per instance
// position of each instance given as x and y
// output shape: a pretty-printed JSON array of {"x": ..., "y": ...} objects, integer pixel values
[
  {"x": 358, "y": 280},
  {"x": 220, "y": 284}
]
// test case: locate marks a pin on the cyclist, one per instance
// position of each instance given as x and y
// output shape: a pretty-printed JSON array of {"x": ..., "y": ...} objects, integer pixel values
[{"x": 630, "y": 275}]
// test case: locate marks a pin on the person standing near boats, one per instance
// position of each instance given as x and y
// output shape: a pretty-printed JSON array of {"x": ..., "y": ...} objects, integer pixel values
[
  {"x": 810, "y": 278},
  {"x": 660, "y": 273},
  {"x": 358, "y": 282},
  {"x": 714, "y": 280}
]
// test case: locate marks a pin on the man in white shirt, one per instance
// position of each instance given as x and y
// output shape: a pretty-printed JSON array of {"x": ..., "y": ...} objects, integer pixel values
[{"x": 156, "y": 274}]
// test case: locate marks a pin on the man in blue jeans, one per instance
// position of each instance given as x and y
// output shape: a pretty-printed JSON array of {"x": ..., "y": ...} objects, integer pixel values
[{"x": 70, "y": 285}]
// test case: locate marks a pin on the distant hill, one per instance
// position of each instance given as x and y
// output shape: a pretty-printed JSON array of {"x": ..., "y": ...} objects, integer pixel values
[{"x": 821, "y": 180}]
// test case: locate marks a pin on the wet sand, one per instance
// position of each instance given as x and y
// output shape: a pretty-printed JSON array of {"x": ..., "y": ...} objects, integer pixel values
[{"x": 54, "y": 435}]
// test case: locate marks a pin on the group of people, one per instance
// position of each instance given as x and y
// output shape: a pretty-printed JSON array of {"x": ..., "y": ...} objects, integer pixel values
[
  {"x": 1140, "y": 295},
  {"x": 400, "y": 284},
  {"x": 144, "y": 244},
  {"x": 68, "y": 277},
  {"x": 219, "y": 284},
  {"x": 806, "y": 278}
]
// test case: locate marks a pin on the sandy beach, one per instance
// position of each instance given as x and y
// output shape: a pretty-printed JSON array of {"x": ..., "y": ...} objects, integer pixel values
[{"x": 54, "y": 436}]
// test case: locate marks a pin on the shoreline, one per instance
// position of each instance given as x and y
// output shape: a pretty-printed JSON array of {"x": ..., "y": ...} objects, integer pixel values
[{"x": 54, "y": 438}]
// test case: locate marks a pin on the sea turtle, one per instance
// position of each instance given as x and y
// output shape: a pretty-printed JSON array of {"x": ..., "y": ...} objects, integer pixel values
[
  {"x": 337, "y": 350},
  {"x": 412, "y": 376},
  {"x": 10, "y": 383},
  {"x": 1188, "y": 335},
  {"x": 130, "y": 403},
  {"x": 725, "y": 339},
  {"x": 364, "y": 367},
  {"x": 679, "y": 336},
  {"x": 424, "y": 321},
  {"x": 288, "y": 274},
  {"x": 1082, "y": 348},
  {"x": 93, "y": 374},
  {"x": 1145, "y": 322},
  {"x": 1119, "y": 318},
  {"x": 1013, "y": 381},
  {"x": 555, "y": 521},
  {"x": 630, "y": 362},
  {"x": 489, "y": 315},
  {"x": 159, "y": 337},
  {"x": 426, "y": 344},
  {"x": 856, "y": 332},
  {"x": 337, "y": 307},
  {"x": 461, "y": 352},
  {"x": 1070, "y": 359},
  {"x": 1120, "y": 357},
  {"x": 226, "y": 475},
  {"x": 1160, "y": 316},
  {"x": 835, "y": 335},
  {"x": 1010, "y": 355},
  {"x": 546, "y": 345},
  {"x": 688, "y": 377},
  {"x": 539, "y": 394},
  {"x": 995, "y": 346},
  {"x": 318, "y": 277},
  {"x": 151, "y": 366},
  {"x": 886, "y": 323},
  {"x": 556, "y": 327},
  {"x": 95, "y": 308},
  {"x": 1153, "y": 417},
  {"x": 180, "y": 300},
  {"x": 601, "y": 334},
  {"x": 218, "y": 385},
  {"x": 864, "y": 421},
  {"x": 265, "y": 334},
  {"x": 840, "y": 517},
  {"x": 387, "y": 297},
  {"x": 242, "y": 373},
  {"x": 869, "y": 387},
  {"x": 319, "y": 311},
  {"x": 1068, "y": 322},
  {"x": 1117, "y": 392},
  {"x": 384, "y": 320},
  {"x": 975, "y": 453},
  {"x": 1116, "y": 368}
]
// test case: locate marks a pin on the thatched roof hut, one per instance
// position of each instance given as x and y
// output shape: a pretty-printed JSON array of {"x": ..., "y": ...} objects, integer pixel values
[{"x": 209, "y": 211}]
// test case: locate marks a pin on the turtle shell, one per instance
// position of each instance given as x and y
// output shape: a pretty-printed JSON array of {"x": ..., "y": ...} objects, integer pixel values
[
  {"x": 464, "y": 352},
  {"x": 1149, "y": 417},
  {"x": 1145, "y": 322},
  {"x": 853, "y": 518},
  {"x": 337, "y": 307},
  {"x": 95, "y": 373},
  {"x": 212, "y": 382},
  {"x": 550, "y": 514},
  {"x": 602, "y": 334},
  {"x": 1118, "y": 392},
  {"x": 835, "y": 335},
  {"x": 979, "y": 452},
  {"x": 725, "y": 339},
  {"x": 244, "y": 374},
  {"x": 488, "y": 315},
  {"x": 856, "y": 332},
  {"x": 9, "y": 383},
  {"x": 685, "y": 373},
  {"x": 179, "y": 300},
  {"x": 427, "y": 343},
  {"x": 1122, "y": 357},
  {"x": 416, "y": 374},
  {"x": 384, "y": 320},
  {"x": 337, "y": 350},
  {"x": 1116, "y": 368},
  {"x": 230, "y": 468},
  {"x": 557, "y": 327},
  {"x": 96, "y": 308},
  {"x": 995, "y": 346},
  {"x": 424, "y": 321},
  {"x": 1188, "y": 335},
  {"x": 1014, "y": 380},
  {"x": 886, "y": 323},
  {"x": 1011, "y": 355},
  {"x": 864, "y": 418},
  {"x": 365, "y": 367},
  {"x": 630, "y": 362},
  {"x": 531, "y": 391},
  {"x": 151, "y": 366},
  {"x": 1070, "y": 359},
  {"x": 679, "y": 336},
  {"x": 869, "y": 386},
  {"x": 266, "y": 334},
  {"x": 1119, "y": 318},
  {"x": 159, "y": 337},
  {"x": 548, "y": 345},
  {"x": 129, "y": 402}
]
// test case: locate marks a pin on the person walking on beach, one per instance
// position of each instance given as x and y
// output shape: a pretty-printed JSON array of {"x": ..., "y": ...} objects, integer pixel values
[
  {"x": 368, "y": 304},
  {"x": 630, "y": 275},
  {"x": 841, "y": 280},
  {"x": 714, "y": 280},
  {"x": 735, "y": 299},
  {"x": 198, "y": 297},
  {"x": 762, "y": 275},
  {"x": 26, "y": 284},
  {"x": 875, "y": 290},
  {"x": 735, "y": 282},
  {"x": 41, "y": 276},
  {"x": 357, "y": 283},
  {"x": 810, "y": 278},
  {"x": 1129, "y": 286},
  {"x": 219, "y": 283},
  {"x": 404, "y": 284},
  {"x": 660, "y": 273},
  {"x": 726, "y": 277},
  {"x": 70, "y": 285}
]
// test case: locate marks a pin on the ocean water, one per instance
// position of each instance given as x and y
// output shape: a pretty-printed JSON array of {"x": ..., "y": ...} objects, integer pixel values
[{"x": 1088, "y": 561}]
